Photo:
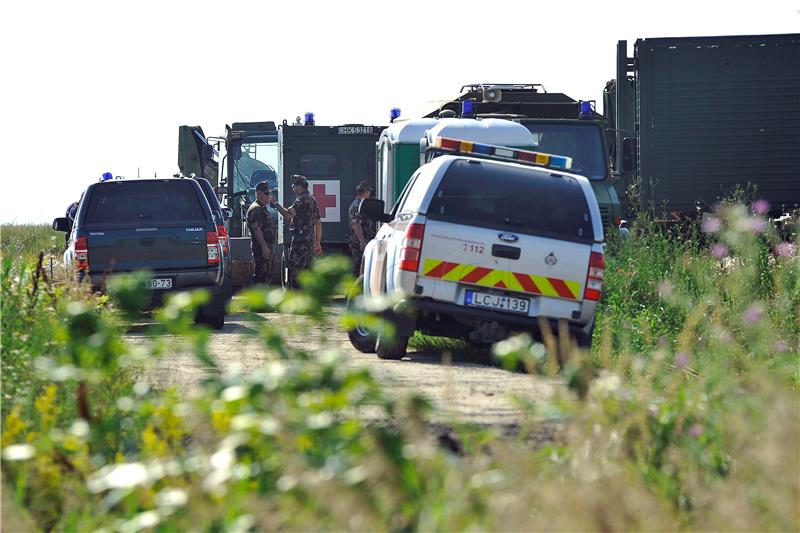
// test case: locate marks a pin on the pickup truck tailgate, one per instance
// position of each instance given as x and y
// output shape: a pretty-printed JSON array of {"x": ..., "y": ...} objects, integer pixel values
[{"x": 157, "y": 248}]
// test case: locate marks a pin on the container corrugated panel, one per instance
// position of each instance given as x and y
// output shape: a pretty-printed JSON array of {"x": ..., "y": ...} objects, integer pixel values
[{"x": 717, "y": 114}]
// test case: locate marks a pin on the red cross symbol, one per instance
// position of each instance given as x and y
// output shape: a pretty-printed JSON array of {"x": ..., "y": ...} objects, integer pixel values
[{"x": 324, "y": 200}]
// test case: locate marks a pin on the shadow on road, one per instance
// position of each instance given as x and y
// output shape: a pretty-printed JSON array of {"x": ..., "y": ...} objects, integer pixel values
[
  {"x": 152, "y": 328},
  {"x": 452, "y": 356}
]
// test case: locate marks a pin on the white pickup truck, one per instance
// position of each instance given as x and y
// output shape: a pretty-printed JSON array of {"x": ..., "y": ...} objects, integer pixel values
[{"x": 483, "y": 243}]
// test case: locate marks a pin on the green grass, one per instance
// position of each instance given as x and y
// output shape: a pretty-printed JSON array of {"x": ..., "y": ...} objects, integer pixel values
[
  {"x": 25, "y": 242},
  {"x": 684, "y": 415}
]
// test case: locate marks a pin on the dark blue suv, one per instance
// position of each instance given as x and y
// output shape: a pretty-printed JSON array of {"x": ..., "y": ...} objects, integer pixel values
[{"x": 164, "y": 226}]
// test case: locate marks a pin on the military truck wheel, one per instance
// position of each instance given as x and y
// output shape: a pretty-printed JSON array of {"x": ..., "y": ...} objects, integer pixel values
[
  {"x": 361, "y": 338},
  {"x": 391, "y": 347}
]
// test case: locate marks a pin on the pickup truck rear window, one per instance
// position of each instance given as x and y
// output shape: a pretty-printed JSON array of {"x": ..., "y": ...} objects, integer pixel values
[
  {"x": 144, "y": 202},
  {"x": 486, "y": 194}
]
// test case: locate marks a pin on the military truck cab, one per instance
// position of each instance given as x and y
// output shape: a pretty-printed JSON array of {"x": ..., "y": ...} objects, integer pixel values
[
  {"x": 583, "y": 140},
  {"x": 558, "y": 123}
]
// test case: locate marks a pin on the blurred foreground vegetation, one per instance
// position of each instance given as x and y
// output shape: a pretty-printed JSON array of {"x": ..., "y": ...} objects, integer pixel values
[{"x": 684, "y": 416}]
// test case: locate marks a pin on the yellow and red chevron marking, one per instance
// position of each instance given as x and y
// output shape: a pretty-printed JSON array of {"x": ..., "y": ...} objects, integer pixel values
[{"x": 503, "y": 279}]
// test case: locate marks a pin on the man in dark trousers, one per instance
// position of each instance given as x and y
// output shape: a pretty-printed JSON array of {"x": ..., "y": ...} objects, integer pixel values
[
  {"x": 361, "y": 230},
  {"x": 262, "y": 233},
  {"x": 305, "y": 229}
]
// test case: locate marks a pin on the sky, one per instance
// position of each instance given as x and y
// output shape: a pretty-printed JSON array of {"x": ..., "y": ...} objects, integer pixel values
[{"x": 96, "y": 86}]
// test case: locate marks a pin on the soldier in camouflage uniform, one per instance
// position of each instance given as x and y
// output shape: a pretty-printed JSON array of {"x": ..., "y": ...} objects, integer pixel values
[
  {"x": 262, "y": 233},
  {"x": 305, "y": 229},
  {"x": 361, "y": 230}
]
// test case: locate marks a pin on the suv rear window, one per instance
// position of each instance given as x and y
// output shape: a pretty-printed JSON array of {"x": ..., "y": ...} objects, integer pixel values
[
  {"x": 144, "y": 202},
  {"x": 514, "y": 199}
]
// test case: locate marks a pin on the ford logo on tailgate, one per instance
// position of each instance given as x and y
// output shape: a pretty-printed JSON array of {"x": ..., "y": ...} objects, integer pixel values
[{"x": 508, "y": 237}]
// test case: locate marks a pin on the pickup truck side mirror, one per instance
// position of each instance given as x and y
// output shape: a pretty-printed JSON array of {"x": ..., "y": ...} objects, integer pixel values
[
  {"x": 373, "y": 209},
  {"x": 62, "y": 224},
  {"x": 628, "y": 156}
]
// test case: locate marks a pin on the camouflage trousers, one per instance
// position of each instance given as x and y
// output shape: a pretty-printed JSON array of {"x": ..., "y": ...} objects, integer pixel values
[
  {"x": 262, "y": 271},
  {"x": 356, "y": 254},
  {"x": 301, "y": 252}
]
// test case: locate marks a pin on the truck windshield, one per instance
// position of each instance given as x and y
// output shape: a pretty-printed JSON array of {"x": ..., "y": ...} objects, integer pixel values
[
  {"x": 582, "y": 142},
  {"x": 253, "y": 162},
  {"x": 510, "y": 198}
]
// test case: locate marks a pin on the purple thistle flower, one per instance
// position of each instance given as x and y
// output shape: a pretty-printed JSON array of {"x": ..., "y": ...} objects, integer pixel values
[
  {"x": 753, "y": 314},
  {"x": 755, "y": 225},
  {"x": 780, "y": 346},
  {"x": 682, "y": 360},
  {"x": 786, "y": 249},
  {"x": 760, "y": 207},
  {"x": 719, "y": 250},
  {"x": 696, "y": 430}
]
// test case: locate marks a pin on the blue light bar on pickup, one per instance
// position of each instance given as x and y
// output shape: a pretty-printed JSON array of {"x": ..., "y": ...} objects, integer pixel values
[{"x": 502, "y": 152}]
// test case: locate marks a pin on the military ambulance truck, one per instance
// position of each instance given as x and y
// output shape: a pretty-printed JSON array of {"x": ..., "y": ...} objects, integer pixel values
[{"x": 333, "y": 158}]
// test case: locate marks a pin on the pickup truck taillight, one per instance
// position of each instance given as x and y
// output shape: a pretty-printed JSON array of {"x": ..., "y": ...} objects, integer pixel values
[
  {"x": 594, "y": 278},
  {"x": 411, "y": 247},
  {"x": 82, "y": 253},
  {"x": 212, "y": 244},
  {"x": 222, "y": 233}
]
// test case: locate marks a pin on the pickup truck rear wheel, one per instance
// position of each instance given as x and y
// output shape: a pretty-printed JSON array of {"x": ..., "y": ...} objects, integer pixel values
[
  {"x": 212, "y": 314},
  {"x": 391, "y": 347},
  {"x": 361, "y": 338},
  {"x": 216, "y": 319}
]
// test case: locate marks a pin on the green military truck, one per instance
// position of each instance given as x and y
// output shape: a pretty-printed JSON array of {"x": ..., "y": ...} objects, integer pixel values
[
  {"x": 559, "y": 125},
  {"x": 697, "y": 119},
  {"x": 333, "y": 158}
]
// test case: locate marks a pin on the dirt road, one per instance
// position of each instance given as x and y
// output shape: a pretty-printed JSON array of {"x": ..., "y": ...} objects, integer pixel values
[{"x": 467, "y": 388}]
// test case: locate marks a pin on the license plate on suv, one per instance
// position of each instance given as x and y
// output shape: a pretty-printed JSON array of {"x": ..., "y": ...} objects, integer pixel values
[
  {"x": 159, "y": 283},
  {"x": 497, "y": 301}
]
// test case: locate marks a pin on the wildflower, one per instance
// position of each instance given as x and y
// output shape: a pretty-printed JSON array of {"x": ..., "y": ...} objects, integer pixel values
[
  {"x": 752, "y": 224},
  {"x": 760, "y": 207},
  {"x": 780, "y": 346},
  {"x": 786, "y": 249},
  {"x": 719, "y": 250},
  {"x": 682, "y": 359},
  {"x": 725, "y": 336},
  {"x": 753, "y": 314},
  {"x": 711, "y": 225},
  {"x": 18, "y": 452},
  {"x": 696, "y": 430},
  {"x": 666, "y": 289}
]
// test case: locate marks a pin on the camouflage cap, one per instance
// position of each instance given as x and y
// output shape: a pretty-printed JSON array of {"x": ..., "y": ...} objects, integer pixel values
[{"x": 298, "y": 179}]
